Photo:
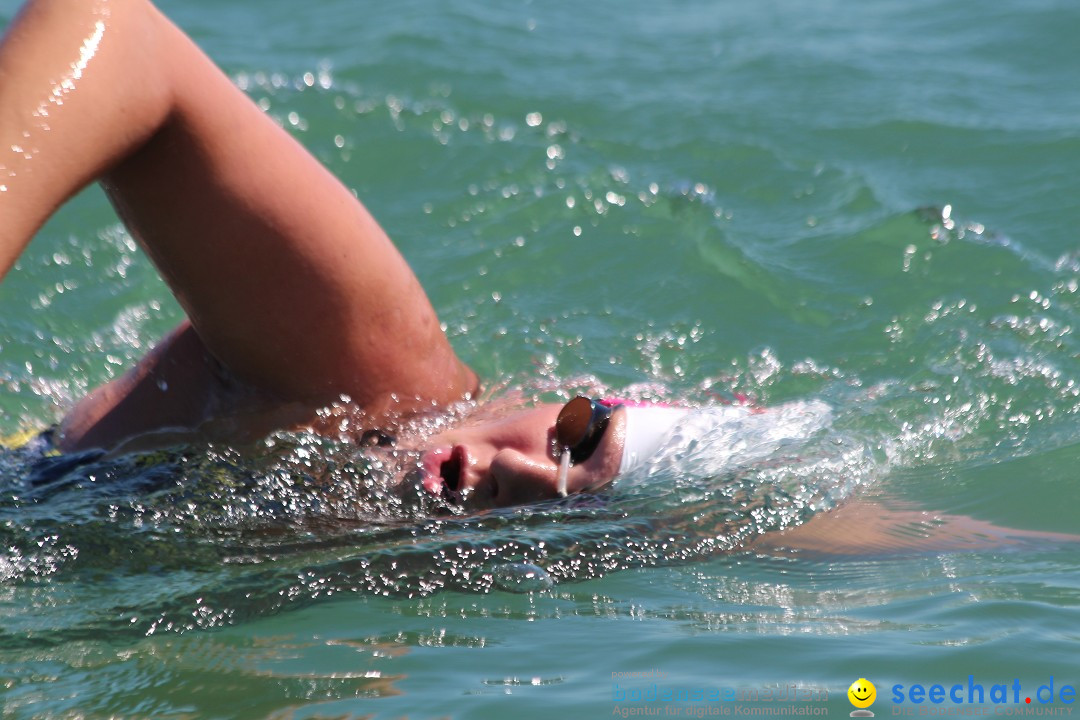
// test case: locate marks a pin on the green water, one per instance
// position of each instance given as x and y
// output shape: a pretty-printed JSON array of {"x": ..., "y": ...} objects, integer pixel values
[{"x": 868, "y": 204}]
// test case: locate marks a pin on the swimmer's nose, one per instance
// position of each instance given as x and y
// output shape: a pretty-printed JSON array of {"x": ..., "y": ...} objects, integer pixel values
[{"x": 519, "y": 478}]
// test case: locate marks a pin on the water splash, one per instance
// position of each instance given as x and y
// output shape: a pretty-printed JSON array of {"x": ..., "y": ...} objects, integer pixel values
[{"x": 313, "y": 518}]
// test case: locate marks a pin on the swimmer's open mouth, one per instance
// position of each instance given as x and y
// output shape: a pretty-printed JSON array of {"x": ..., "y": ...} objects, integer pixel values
[
  {"x": 451, "y": 471},
  {"x": 444, "y": 472}
]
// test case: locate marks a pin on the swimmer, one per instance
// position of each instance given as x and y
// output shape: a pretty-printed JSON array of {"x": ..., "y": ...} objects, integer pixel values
[{"x": 294, "y": 295}]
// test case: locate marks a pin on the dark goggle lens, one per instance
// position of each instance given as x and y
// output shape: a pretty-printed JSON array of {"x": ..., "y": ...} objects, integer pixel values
[{"x": 580, "y": 427}]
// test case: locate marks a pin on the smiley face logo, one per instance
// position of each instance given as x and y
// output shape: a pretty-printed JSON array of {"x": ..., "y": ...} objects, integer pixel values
[{"x": 862, "y": 693}]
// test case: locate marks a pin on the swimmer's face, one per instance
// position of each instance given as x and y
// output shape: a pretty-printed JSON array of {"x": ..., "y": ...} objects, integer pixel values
[{"x": 513, "y": 460}]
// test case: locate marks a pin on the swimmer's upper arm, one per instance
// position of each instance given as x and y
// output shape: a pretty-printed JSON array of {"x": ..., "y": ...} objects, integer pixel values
[{"x": 286, "y": 277}]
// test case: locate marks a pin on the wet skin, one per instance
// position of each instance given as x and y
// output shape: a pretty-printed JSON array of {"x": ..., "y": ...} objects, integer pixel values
[{"x": 514, "y": 460}]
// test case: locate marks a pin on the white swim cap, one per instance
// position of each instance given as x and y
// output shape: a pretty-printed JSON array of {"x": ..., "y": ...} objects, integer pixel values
[
  {"x": 711, "y": 440},
  {"x": 647, "y": 426}
]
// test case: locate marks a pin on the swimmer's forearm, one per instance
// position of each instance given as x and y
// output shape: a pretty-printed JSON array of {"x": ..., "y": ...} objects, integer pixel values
[{"x": 81, "y": 87}]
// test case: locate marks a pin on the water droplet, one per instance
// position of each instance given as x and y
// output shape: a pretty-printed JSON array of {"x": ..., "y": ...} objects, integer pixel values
[{"x": 522, "y": 578}]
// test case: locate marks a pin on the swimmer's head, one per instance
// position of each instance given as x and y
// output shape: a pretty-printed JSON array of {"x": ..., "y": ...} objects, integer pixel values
[{"x": 515, "y": 459}]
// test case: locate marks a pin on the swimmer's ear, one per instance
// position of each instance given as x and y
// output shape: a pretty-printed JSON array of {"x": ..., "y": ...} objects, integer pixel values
[{"x": 866, "y": 529}]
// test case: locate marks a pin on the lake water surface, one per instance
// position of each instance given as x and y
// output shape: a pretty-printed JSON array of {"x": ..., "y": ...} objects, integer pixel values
[{"x": 867, "y": 205}]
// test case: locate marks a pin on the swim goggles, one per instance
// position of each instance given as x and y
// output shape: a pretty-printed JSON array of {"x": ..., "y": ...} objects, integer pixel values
[{"x": 580, "y": 427}]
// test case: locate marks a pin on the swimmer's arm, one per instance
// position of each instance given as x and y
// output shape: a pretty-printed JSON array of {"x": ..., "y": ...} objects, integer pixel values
[
  {"x": 287, "y": 279},
  {"x": 866, "y": 529}
]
